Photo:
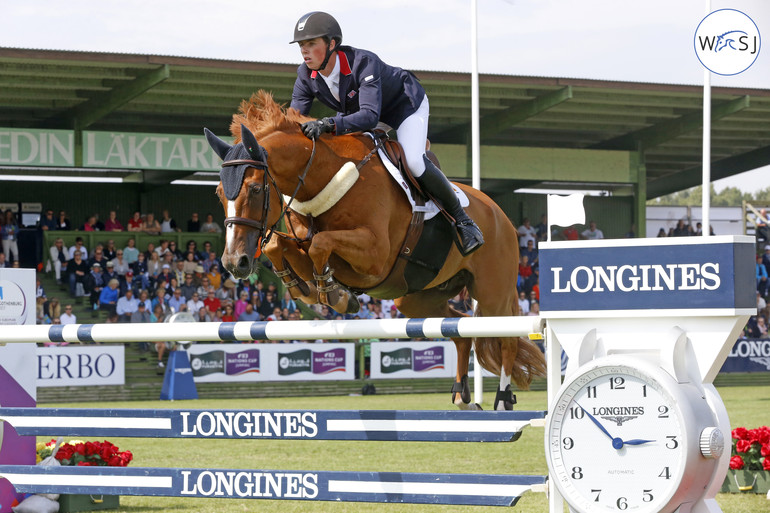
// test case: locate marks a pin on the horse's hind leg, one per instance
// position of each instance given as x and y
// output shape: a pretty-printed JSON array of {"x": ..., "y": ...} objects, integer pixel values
[{"x": 433, "y": 303}]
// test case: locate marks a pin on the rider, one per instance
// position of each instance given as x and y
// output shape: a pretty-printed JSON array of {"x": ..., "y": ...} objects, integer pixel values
[{"x": 365, "y": 91}]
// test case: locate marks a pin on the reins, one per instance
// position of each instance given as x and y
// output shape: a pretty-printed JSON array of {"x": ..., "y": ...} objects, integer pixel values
[{"x": 260, "y": 226}]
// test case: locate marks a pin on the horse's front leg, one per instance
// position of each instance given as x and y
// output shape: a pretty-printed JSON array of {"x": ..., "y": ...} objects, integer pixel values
[
  {"x": 361, "y": 248},
  {"x": 294, "y": 267}
]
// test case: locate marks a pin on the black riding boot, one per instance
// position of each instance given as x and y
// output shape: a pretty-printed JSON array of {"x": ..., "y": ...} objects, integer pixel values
[{"x": 436, "y": 184}]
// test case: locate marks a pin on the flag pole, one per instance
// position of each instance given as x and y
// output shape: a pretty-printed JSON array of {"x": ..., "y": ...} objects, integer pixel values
[
  {"x": 706, "y": 193},
  {"x": 478, "y": 388}
]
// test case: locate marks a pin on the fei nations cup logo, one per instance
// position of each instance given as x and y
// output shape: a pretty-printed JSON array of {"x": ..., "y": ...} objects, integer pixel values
[{"x": 727, "y": 42}]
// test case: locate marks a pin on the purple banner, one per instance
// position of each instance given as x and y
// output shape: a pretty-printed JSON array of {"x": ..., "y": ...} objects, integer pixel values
[
  {"x": 329, "y": 361},
  {"x": 428, "y": 359},
  {"x": 242, "y": 362}
]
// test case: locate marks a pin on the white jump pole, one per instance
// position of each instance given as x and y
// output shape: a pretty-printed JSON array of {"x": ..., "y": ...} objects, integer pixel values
[{"x": 276, "y": 330}]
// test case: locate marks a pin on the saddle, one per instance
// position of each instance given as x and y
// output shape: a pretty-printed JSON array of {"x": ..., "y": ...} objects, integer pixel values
[{"x": 427, "y": 243}]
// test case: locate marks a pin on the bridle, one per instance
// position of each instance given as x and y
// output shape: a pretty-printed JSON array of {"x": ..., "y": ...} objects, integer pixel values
[{"x": 261, "y": 225}]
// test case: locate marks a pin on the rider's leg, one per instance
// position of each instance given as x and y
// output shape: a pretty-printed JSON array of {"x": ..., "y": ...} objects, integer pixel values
[{"x": 413, "y": 134}]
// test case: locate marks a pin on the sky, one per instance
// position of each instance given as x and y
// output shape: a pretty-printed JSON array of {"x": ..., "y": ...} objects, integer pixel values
[{"x": 637, "y": 41}]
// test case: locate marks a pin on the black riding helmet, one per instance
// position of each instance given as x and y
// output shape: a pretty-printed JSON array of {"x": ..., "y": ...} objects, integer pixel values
[{"x": 318, "y": 24}]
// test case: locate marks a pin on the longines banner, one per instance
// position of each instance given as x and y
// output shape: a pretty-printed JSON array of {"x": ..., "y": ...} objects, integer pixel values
[
  {"x": 33, "y": 147},
  {"x": 78, "y": 365},
  {"x": 694, "y": 273},
  {"x": 272, "y": 362},
  {"x": 748, "y": 355}
]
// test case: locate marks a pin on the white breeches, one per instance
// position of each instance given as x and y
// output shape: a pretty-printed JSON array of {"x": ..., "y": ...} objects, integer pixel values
[{"x": 413, "y": 136}]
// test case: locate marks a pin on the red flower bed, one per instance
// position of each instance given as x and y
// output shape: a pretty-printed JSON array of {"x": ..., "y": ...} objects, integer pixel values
[{"x": 751, "y": 449}]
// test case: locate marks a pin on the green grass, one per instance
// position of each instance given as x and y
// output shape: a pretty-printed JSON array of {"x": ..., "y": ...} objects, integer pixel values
[{"x": 747, "y": 406}]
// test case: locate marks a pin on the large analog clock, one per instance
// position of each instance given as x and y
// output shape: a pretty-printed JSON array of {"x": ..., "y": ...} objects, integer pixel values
[{"x": 623, "y": 435}]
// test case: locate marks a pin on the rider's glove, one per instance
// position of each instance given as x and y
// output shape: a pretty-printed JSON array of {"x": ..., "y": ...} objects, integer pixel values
[{"x": 314, "y": 129}]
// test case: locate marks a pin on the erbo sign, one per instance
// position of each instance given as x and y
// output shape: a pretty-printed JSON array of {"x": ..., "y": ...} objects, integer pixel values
[{"x": 80, "y": 366}]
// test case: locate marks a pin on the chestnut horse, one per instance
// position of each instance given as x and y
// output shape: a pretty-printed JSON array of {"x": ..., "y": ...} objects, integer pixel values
[{"x": 354, "y": 240}]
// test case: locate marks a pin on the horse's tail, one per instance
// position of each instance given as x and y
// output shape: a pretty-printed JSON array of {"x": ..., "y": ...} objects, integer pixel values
[{"x": 528, "y": 364}]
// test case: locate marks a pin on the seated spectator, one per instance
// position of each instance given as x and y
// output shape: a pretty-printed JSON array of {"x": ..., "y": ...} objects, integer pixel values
[
  {"x": 203, "y": 288},
  {"x": 3, "y": 263},
  {"x": 108, "y": 298},
  {"x": 178, "y": 271},
  {"x": 194, "y": 304},
  {"x": 164, "y": 277},
  {"x": 126, "y": 306},
  {"x": 275, "y": 315},
  {"x": 190, "y": 264},
  {"x": 269, "y": 305},
  {"x": 110, "y": 251},
  {"x": 203, "y": 254},
  {"x": 162, "y": 248},
  {"x": 288, "y": 302},
  {"x": 89, "y": 225},
  {"x": 192, "y": 246},
  {"x": 131, "y": 252},
  {"x": 177, "y": 302},
  {"x": 210, "y": 226},
  {"x": 160, "y": 299},
  {"x": 214, "y": 276},
  {"x": 240, "y": 305},
  {"x": 94, "y": 284},
  {"x": 120, "y": 264},
  {"x": 141, "y": 272},
  {"x": 592, "y": 232},
  {"x": 188, "y": 287},
  {"x": 112, "y": 224},
  {"x": 144, "y": 298},
  {"x": 228, "y": 315},
  {"x": 248, "y": 314},
  {"x": 523, "y": 303},
  {"x": 129, "y": 283},
  {"x": 68, "y": 317},
  {"x": 534, "y": 308},
  {"x": 212, "y": 302},
  {"x": 58, "y": 259},
  {"x": 135, "y": 223},
  {"x": 194, "y": 224},
  {"x": 167, "y": 224},
  {"x": 48, "y": 222},
  {"x": 530, "y": 252},
  {"x": 142, "y": 315},
  {"x": 77, "y": 270},
  {"x": 98, "y": 257},
  {"x": 52, "y": 308},
  {"x": 154, "y": 266},
  {"x": 62, "y": 222},
  {"x": 175, "y": 250},
  {"x": 211, "y": 261},
  {"x": 151, "y": 225},
  {"x": 78, "y": 247}
]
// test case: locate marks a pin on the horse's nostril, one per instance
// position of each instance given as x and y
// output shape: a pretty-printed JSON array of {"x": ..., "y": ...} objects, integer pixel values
[{"x": 243, "y": 262}]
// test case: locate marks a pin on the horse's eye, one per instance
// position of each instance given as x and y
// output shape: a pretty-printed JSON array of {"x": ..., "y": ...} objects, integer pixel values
[{"x": 255, "y": 188}]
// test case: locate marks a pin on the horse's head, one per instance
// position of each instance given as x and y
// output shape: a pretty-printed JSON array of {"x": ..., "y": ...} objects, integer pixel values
[{"x": 244, "y": 191}]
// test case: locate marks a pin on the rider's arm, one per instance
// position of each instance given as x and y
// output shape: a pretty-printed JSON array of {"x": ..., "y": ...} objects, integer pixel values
[
  {"x": 367, "y": 71},
  {"x": 302, "y": 97}
]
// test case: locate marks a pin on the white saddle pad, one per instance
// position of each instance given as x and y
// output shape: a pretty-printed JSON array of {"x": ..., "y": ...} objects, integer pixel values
[{"x": 429, "y": 208}]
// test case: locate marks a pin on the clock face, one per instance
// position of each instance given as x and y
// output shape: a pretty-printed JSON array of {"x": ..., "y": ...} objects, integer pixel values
[{"x": 615, "y": 441}]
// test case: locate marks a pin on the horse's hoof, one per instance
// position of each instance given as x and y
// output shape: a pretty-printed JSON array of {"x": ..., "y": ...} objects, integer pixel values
[
  {"x": 505, "y": 399},
  {"x": 475, "y": 407},
  {"x": 353, "y": 305}
]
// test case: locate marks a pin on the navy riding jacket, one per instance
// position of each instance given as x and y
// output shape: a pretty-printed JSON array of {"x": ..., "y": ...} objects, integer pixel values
[{"x": 370, "y": 91}]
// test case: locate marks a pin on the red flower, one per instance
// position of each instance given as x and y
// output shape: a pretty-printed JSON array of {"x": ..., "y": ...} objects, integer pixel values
[
  {"x": 742, "y": 446},
  {"x": 766, "y": 464},
  {"x": 765, "y": 451},
  {"x": 736, "y": 463},
  {"x": 740, "y": 433}
]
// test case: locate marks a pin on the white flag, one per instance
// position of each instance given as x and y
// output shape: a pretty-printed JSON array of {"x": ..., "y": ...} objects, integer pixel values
[{"x": 566, "y": 210}]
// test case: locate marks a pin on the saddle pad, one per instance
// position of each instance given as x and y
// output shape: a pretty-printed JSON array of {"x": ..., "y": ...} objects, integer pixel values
[{"x": 430, "y": 208}]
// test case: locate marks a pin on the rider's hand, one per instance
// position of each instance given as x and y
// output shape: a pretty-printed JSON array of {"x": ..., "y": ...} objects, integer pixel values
[{"x": 314, "y": 129}]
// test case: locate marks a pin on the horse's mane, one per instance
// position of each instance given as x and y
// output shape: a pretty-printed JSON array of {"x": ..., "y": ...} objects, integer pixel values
[{"x": 263, "y": 116}]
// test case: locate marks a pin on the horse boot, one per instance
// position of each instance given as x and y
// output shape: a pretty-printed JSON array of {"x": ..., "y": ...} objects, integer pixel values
[
  {"x": 307, "y": 290},
  {"x": 330, "y": 293},
  {"x": 436, "y": 184},
  {"x": 461, "y": 395},
  {"x": 506, "y": 397}
]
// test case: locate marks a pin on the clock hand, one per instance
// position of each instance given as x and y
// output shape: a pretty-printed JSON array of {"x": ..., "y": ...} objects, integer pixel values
[
  {"x": 636, "y": 441},
  {"x": 593, "y": 419}
]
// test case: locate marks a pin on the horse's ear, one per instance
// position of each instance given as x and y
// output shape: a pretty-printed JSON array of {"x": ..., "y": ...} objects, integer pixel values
[
  {"x": 219, "y": 146},
  {"x": 250, "y": 143}
]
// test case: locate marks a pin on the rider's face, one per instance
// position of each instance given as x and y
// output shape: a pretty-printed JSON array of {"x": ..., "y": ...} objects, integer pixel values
[{"x": 314, "y": 52}]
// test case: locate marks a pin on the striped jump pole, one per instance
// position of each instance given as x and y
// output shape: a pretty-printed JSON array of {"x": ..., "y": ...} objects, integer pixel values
[
  {"x": 450, "y": 489},
  {"x": 383, "y": 425},
  {"x": 434, "y": 327}
]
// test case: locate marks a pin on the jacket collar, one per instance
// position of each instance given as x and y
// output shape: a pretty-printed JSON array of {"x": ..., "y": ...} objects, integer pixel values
[{"x": 344, "y": 65}]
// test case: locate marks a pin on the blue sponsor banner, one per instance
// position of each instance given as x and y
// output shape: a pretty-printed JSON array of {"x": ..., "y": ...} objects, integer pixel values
[
  {"x": 717, "y": 273},
  {"x": 748, "y": 355},
  {"x": 466, "y": 489},
  {"x": 386, "y": 425}
]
